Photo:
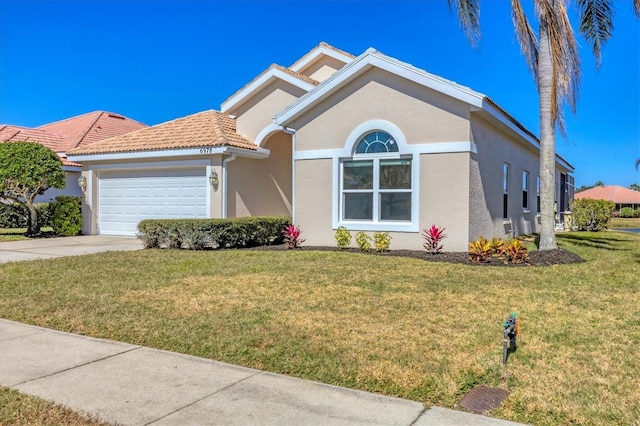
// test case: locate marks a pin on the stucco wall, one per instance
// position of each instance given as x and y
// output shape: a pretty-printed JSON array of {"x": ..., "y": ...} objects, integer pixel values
[
  {"x": 261, "y": 187},
  {"x": 314, "y": 201},
  {"x": 494, "y": 149},
  {"x": 258, "y": 112},
  {"x": 423, "y": 115},
  {"x": 323, "y": 68},
  {"x": 444, "y": 197},
  {"x": 71, "y": 189}
]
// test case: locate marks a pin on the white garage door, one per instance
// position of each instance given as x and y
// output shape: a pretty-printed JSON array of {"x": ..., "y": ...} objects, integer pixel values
[{"x": 127, "y": 197}]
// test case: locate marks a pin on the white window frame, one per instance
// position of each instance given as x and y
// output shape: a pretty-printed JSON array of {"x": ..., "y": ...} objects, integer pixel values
[
  {"x": 376, "y": 191},
  {"x": 525, "y": 192},
  {"x": 506, "y": 167},
  {"x": 404, "y": 152},
  {"x": 538, "y": 194}
]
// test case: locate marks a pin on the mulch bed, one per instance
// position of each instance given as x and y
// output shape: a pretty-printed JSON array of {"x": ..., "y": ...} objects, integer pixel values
[{"x": 536, "y": 258}]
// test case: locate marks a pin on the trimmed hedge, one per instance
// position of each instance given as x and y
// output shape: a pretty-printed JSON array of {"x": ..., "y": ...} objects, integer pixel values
[
  {"x": 199, "y": 234},
  {"x": 14, "y": 215},
  {"x": 591, "y": 215},
  {"x": 66, "y": 215}
]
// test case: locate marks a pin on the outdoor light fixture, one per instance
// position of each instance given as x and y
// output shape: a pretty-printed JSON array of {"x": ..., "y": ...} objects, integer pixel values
[
  {"x": 82, "y": 181},
  {"x": 213, "y": 179}
]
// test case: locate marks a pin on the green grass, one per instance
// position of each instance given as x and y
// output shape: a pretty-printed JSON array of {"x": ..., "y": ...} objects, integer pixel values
[
  {"x": 403, "y": 327},
  {"x": 17, "y": 409},
  {"x": 17, "y": 234},
  {"x": 619, "y": 222}
]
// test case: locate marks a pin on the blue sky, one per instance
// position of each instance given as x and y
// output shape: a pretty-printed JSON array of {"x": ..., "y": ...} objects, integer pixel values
[{"x": 154, "y": 61}]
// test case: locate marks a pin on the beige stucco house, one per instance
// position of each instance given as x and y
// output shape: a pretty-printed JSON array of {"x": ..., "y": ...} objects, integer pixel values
[{"x": 369, "y": 142}]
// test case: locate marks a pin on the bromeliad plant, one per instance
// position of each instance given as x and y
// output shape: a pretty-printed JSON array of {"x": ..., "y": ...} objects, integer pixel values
[
  {"x": 433, "y": 239},
  {"x": 292, "y": 238}
]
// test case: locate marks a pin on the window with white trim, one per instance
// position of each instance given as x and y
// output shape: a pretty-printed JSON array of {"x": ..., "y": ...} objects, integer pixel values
[
  {"x": 374, "y": 187},
  {"x": 538, "y": 194},
  {"x": 505, "y": 191},
  {"x": 525, "y": 190}
]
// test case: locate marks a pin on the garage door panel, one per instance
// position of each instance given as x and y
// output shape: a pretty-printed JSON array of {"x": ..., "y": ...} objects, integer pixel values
[{"x": 127, "y": 197}]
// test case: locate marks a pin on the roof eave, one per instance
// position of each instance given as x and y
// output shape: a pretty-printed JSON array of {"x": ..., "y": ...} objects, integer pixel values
[
  {"x": 321, "y": 50},
  {"x": 267, "y": 77},
  {"x": 368, "y": 60},
  {"x": 258, "y": 153}
]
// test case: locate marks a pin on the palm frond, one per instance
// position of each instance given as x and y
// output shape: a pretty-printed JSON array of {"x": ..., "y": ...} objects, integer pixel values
[
  {"x": 468, "y": 12},
  {"x": 526, "y": 37},
  {"x": 637, "y": 163},
  {"x": 636, "y": 7},
  {"x": 596, "y": 23}
]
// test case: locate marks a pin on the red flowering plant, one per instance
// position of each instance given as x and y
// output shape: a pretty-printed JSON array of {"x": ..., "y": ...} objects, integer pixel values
[
  {"x": 292, "y": 238},
  {"x": 433, "y": 239}
]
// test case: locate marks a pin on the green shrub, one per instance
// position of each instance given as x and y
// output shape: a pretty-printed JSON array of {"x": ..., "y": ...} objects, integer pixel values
[
  {"x": 198, "y": 234},
  {"x": 13, "y": 215},
  {"x": 44, "y": 215},
  {"x": 636, "y": 213},
  {"x": 343, "y": 237},
  {"x": 66, "y": 215},
  {"x": 626, "y": 212},
  {"x": 591, "y": 215},
  {"x": 363, "y": 241},
  {"x": 381, "y": 241}
]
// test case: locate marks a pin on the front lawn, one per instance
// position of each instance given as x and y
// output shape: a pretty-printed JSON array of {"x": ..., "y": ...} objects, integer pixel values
[
  {"x": 17, "y": 409},
  {"x": 17, "y": 234},
  {"x": 398, "y": 326},
  {"x": 620, "y": 222}
]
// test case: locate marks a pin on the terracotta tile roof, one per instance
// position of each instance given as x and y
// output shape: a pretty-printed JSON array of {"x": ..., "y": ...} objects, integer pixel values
[
  {"x": 617, "y": 194},
  {"x": 89, "y": 128},
  {"x": 207, "y": 128},
  {"x": 26, "y": 134}
]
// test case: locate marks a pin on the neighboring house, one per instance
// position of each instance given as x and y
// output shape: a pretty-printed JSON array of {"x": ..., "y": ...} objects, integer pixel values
[
  {"x": 621, "y": 196},
  {"x": 369, "y": 142},
  {"x": 62, "y": 136}
]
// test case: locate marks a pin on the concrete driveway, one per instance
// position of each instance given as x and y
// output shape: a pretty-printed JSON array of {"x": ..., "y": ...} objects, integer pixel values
[{"x": 45, "y": 248}]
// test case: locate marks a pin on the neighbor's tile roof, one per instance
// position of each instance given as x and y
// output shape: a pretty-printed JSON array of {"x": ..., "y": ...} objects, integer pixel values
[
  {"x": 617, "y": 194},
  {"x": 207, "y": 128},
  {"x": 26, "y": 134},
  {"x": 89, "y": 128}
]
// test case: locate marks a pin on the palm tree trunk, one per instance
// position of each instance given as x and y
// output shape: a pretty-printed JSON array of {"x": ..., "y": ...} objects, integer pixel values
[{"x": 547, "y": 141}]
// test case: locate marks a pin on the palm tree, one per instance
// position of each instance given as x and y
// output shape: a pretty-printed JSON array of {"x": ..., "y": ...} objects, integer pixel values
[{"x": 553, "y": 58}]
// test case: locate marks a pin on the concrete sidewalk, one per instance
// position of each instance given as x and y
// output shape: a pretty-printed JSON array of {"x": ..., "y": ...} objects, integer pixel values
[
  {"x": 134, "y": 385},
  {"x": 45, "y": 248}
]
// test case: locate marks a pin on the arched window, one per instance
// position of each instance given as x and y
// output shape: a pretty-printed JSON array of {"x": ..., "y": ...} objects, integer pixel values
[
  {"x": 376, "y": 142},
  {"x": 376, "y": 187}
]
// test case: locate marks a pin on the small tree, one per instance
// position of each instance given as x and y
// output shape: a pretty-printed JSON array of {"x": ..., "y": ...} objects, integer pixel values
[{"x": 28, "y": 169}]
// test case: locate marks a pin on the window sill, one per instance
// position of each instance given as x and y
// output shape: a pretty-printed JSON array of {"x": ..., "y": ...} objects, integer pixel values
[{"x": 379, "y": 226}]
